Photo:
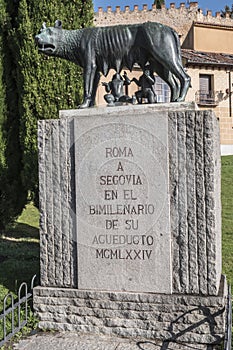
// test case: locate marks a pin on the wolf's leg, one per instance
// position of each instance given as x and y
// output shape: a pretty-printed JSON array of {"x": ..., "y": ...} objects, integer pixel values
[
  {"x": 172, "y": 82},
  {"x": 89, "y": 75},
  {"x": 168, "y": 78},
  {"x": 170, "y": 59},
  {"x": 176, "y": 85},
  {"x": 184, "y": 79},
  {"x": 177, "y": 79},
  {"x": 94, "y": 90}
]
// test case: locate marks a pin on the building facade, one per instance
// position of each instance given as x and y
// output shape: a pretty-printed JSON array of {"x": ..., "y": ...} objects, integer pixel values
[{"x": 207, "y": 53}]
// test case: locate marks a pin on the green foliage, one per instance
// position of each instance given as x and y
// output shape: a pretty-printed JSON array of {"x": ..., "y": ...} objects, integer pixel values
[
  {"x": 36, "y": 87},
  {"x": 13, "y": 195},
  {"x": 227, "y": 217},
  {"x": 2, "y": 108},
  {"x": 19, "y": 244},
  {"x": 227, "y": 9},
  {"x": 158, "y": 3},
  {"x": 32, "y": 323},
  {"x": 46, "y": 84}
]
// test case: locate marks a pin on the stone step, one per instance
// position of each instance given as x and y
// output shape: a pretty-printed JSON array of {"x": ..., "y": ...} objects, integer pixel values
[{"x": 74, "y": 341}]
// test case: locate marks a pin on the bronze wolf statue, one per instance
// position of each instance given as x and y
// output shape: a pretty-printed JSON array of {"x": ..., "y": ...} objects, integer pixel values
[{"x": 98, "y": 49}]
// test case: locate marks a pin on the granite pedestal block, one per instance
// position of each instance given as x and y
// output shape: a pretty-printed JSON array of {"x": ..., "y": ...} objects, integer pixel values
[
  {"x": 130, "y": 213},
  {"x": 185, "y": 319}
]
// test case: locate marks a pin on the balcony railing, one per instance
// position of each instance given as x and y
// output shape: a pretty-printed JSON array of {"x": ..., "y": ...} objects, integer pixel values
[{"x": 207, "y": 98}]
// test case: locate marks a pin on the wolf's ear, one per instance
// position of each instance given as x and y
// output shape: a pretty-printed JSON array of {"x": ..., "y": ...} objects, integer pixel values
[{"x": 58, "y": 24}]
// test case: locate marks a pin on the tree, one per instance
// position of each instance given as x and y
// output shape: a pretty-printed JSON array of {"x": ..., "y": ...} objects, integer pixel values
[
  {"x": 12, "y": 193},
  {"x": 226, "y": 10},
  {"x": 159, "y": 3},
  {"x": 37, "y": 87},
  {"x": 2, "y": 115},
  {"x": 46, "y": 84}
]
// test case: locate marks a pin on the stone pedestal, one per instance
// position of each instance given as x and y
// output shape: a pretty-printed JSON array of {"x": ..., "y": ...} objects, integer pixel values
[
  {"x": 171, "y": 318},
  {"x": 131, "y": 223}
]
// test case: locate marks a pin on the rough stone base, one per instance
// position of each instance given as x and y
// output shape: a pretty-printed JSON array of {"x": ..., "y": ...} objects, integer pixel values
[
  {"x": 77, "y": 341},
  {"x": 181, "y": 318}
]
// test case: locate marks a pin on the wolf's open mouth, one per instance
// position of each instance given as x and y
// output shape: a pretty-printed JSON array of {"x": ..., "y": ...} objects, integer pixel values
[{"x": 46, "y": 47}]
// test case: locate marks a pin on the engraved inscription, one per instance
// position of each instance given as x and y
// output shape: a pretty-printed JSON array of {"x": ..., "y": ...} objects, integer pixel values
[
  {"x": 123, "y": 190},
  {"x": 121, "y": 206}
]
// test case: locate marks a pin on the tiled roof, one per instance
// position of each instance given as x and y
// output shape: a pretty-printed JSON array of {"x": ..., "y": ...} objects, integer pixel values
[{"x": 207, "y": 58}]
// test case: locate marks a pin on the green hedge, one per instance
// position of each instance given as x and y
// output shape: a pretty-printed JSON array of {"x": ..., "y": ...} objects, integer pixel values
[{"x": 32, "y": 87}]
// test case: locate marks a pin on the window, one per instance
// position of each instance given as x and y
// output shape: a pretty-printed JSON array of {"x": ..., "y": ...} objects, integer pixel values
[
  {"x": 162, "y": 90},
  {"x": 206, "y": 82},
  {"x": 206, "y": 94}
]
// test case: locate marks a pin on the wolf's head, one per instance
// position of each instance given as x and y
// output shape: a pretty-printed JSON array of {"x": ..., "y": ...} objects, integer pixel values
[{"x": 48, "y": 39}]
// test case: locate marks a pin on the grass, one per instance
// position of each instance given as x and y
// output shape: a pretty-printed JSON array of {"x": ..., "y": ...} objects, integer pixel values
[
  {"x": 227, "y": 217},
  {"x": 19, "y": 251},
  {"x": 19, "y": 261},
  {"x": 19, "y": 247}
]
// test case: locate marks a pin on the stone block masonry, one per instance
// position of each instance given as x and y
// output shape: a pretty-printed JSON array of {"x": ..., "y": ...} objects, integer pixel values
[
  {"x": 130, "y": 232},
  {"x": 192, "y": 319},
  {"x": 195, "y": 201},
  {"x": 190, "y": 161},
  {"x": 180, "y": 18}
]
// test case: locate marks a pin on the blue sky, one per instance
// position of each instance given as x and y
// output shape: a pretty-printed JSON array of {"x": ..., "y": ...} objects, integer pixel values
[{"x": 214, "y": 5}]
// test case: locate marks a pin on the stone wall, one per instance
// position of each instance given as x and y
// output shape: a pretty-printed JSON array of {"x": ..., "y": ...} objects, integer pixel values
[
  {"x": 180, "y": 18},
  {"x": 221, "y": 84},
  {"x": 192, "y": 319}
]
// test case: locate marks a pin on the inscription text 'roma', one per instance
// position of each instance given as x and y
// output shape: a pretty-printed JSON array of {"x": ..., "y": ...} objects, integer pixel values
[{"x": 117, "y": 152}]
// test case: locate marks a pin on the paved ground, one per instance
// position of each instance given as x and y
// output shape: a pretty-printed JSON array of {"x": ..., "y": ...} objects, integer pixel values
[{"x": 74, "y": 341}]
